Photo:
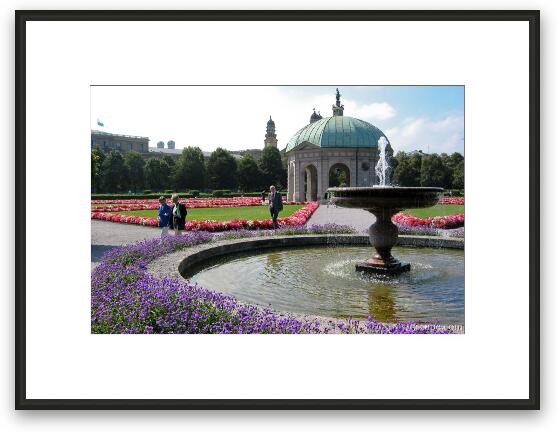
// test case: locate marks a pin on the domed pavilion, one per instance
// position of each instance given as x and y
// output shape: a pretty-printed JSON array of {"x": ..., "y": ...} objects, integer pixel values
[{"x": 327, "y": 147}]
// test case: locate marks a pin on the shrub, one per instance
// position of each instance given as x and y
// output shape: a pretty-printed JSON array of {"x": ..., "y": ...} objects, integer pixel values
[
  {"x": 221, "y": 193},
  {"x": 134, "y": 196},
  {"x": 454, "y": 192}
]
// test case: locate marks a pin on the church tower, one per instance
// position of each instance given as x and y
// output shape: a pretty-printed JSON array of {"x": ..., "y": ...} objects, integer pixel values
[
  {"x": 338, "y": 109},
  {"x": 271, "y": 136}
]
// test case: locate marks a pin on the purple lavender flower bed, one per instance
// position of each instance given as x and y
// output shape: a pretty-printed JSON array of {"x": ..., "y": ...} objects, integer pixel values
[
  {"x": 291, "y": 230},
  {"x": 127, "y": 299},
  {"x": 428, "y": 231}
]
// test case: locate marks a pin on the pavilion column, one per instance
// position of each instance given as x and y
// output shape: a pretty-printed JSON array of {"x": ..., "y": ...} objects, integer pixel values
[
  {"x": 319, "y": 182},
  {"x": 309, "y": 185},
  {"x": 354, "y": 171},
  {"x": 298, "y": 182},
  {"x": 290, "y": 192},
  {"x": 324, "y": 181}
]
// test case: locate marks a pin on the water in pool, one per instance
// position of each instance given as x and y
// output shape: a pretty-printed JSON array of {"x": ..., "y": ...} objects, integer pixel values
[{"x": 323, "y": 281}]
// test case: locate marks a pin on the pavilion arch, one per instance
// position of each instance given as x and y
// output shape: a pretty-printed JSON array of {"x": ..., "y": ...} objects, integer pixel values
[
  {"x": 336, "y": 170},
  {"x": 310, "y": 183}
]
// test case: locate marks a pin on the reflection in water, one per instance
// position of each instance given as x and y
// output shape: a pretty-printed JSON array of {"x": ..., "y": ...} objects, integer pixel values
[
  {"x": 274, "y": 261},
  {"x": 323, "y": 281},
  {"x": 381, "y": 303}
]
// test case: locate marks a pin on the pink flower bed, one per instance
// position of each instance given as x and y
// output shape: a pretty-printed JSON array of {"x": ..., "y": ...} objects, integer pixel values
[
  {"x": 209, "y": 202},
  {"x": 443, "y": 222},
  {"x": 297, "y": 218},
  {"x": 131, "y": 205},
  {"x": 452, "y": 200}
]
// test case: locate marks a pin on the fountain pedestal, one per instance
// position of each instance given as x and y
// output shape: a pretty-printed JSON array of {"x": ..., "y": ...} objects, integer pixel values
[
  {"x": 383, "y": 235},
  {"x": 384, "y": 202}
]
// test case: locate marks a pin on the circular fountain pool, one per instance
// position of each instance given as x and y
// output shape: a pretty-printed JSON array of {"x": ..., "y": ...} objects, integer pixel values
[{"x": 323, "y": 281}]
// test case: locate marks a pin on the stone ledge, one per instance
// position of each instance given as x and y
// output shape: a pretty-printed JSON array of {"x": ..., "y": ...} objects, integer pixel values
[
  {"x": 193, "y": 257},
  {"x": 177, "y": 263},
  {"x": 430, "y": 241}
]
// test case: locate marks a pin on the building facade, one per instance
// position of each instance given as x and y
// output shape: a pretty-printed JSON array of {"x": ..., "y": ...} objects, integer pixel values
[
  {"x": 327, "y": 146},
  {"x": 108, "y": 141}
]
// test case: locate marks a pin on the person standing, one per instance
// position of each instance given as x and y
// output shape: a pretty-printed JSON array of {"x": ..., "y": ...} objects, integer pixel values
[
  {"x": 275, "y": 205},
  {"x": 263, "y": 196},
  {"x": 179, "y": 213},
  {"x": 164, "y": 216}
]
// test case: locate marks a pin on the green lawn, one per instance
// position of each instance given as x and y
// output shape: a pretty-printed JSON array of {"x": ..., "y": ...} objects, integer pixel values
[
  {"x": 438, "y": 210},
  {"x": 224, "y": 213}
]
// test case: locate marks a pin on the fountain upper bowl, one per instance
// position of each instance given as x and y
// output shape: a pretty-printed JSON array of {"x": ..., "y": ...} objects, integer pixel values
[{"x": 385, "y": 197}]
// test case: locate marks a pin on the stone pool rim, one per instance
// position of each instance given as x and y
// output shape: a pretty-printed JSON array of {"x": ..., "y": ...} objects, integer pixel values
[
  {"x": 198, "y": 256},
  {"x": 174, "y": 263}
]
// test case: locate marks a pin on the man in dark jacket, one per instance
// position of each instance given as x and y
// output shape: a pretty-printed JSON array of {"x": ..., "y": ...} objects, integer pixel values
[
  {"x": 275, "y": 205},
  {"x": 179, "y": 213}
]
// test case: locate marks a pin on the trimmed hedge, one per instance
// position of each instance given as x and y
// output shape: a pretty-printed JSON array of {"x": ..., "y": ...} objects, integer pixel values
[
  {"x": 135, "y": 196},
  {"x": 189, "y": 194},
  {"x": 254, "y": 194},
  {"x": 221, "y": 193},
  {"x": 454, "y": 192}
]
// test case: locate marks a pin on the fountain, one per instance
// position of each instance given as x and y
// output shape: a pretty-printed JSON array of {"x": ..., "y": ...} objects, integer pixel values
[{"x": 384, "y": 202}]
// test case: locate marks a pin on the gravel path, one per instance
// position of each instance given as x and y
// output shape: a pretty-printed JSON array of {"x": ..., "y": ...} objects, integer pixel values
[
  {"x": 107, "y": 235},
  {"x": 359, "y": 219}
]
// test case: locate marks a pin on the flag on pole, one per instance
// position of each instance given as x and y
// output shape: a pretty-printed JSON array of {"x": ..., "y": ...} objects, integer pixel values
[{"x": 100, "y": 123}]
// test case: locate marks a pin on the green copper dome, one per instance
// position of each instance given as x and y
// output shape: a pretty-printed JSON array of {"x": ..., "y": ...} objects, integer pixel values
[{"x": 337, "y": 131}]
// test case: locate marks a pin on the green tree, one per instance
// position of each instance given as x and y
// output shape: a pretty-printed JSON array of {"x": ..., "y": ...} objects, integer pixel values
[
  {"x": 222, "y": 171},
  {"x": 408, "y": 169},
  {"x": 135, "y": 165},
  {"x": 284, "y": 179},
  {"x": 97, "y": 159},
  {"x": 170, "y": 161},
  {"x": 156, "y": 174},
  {"x": 458, "y": 176},
  {"x": 434, "y": 172},
  {"x": 391, "y": 159},
  {"x": 114, "y": 172},
  {"x": 272, "y": 170},
  {"x": 249, "y": 176},
  {"x": 166, "y": 175},
  {"x": 452, "y": 162},
  {"x": 189, "y": 171}
]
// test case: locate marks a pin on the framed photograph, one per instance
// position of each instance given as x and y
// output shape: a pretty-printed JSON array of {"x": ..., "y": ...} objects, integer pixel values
[{"x": 265, "y": 210}]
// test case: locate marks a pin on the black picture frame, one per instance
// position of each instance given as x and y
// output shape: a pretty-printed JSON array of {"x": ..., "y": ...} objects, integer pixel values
[{"x": 531, "y": 16}]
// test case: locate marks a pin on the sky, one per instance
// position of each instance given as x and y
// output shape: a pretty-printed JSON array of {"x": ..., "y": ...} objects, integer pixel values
[{"x": 427, "y": 118}]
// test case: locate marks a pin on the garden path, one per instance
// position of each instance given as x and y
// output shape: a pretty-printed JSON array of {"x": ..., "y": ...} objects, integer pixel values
[{"x": 107, "y": 235}]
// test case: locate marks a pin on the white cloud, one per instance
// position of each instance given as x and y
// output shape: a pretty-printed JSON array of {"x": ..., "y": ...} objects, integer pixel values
[
  {"x": 445, "y": 135},
  {"x": 209, "y": 117},
  {"x": 370, "y": 112}
]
